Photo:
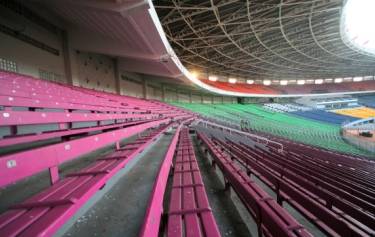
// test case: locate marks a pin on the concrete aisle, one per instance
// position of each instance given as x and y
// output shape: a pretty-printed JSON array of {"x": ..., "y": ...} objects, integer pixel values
[{"x": 120, "y": 212}]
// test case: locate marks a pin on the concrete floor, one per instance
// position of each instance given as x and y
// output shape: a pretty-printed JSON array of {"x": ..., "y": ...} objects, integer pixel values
[
  {"x": 120, "y": 212},
  {"x": 28, "y": 187},
  {"x": 223, "y": 205}
]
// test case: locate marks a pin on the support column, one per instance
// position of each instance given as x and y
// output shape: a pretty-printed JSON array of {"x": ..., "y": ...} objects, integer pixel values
[
  {"x": 144, "y": 86},
  {"x": 163, "y": 92},
  {"x": 117, "y": 76},
  {"x": 66, "y": 57}
]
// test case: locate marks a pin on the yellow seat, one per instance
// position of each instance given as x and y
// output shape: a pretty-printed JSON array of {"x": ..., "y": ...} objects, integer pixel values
[{"x": 361, "y": 112}]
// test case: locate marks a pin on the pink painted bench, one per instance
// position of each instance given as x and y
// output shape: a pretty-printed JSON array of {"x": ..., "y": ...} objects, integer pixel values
[
  {"x": 271, "y": 219},
  {"x": 14, "y": 167},
  {"x": 46, "y": 212},
  {"x": 150, "y": 226},
  {"x": 189, "y": 210}
]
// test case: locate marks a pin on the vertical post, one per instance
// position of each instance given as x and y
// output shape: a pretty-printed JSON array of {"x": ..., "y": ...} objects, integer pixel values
[
  {"x": 66, "y": 56},
  {"x": 144, "y": 86},
  {"x": 54, "y": 174},
  {"x": 117, "y": 76},
  {"x": 163, "y": 92}
]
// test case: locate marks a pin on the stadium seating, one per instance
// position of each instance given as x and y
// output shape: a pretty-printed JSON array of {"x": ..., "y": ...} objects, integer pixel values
[
  {"x": 324, "y": 116},
  {"x": 360, "y": 112},
  {"x": 293, "y": 89},
  {"x": 70, "y": 121},
  {"x": 323, "y": 187},
  {"x": 285, "y": 107},
  {"x": 367, "y": 100},
  {"x": 44, "y": 213},
  {"x": 241, "y": 87},
  {"x": 293, "y": 127},
  {"x": 272, "y": 220},
  {"x": 189, "y": 210}
]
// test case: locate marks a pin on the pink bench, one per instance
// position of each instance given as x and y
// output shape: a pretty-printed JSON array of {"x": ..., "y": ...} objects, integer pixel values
[
  {"x": 272, "y": 219},
  {"x": 189, "y": 211},
  {"x": 46, "y": 212}
]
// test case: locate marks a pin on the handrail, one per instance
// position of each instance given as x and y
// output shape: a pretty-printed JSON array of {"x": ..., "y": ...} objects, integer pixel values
[{"x": 266, "y": 140}]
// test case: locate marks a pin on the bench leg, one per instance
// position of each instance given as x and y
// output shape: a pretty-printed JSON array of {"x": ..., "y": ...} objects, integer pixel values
[{"x": 54, "y": 174}]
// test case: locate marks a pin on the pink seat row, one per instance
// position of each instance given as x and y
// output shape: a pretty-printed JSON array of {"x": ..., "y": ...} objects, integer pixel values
[{"x": 46, "y": 212}]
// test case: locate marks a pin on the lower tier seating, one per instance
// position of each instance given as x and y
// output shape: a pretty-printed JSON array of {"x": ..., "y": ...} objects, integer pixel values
[
  {"x": 272, "y": 219},
  {"x": 46, "y": 212},
  {"x": 313, "y": 183},
  {"x": 189, "y": 211}
]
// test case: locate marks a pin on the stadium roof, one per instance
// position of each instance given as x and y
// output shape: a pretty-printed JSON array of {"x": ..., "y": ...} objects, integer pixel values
[
  {"x": 260, "y": 39},
  {"x": 257, "y": 39}
]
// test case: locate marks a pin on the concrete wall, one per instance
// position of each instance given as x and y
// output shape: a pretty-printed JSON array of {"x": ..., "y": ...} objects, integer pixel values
[
  {"x": 89, "y": 70},
  {"x": 93, "y": 71},
  {"x": 31, "y": 60}
]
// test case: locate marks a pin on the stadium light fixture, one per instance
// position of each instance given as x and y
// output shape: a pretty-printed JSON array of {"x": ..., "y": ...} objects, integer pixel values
[
  {"x": 212, "y": 78},
  {"x": 194, "y": 74},
  {"x": 232, "y": 80},
  {"x": 301, "y": 82},
  {"x": 250, "y": 81},
  {"x": 283, "y": 82},
  {"x": 266, "y": 82},
  {"x": 338, "y": 80}
]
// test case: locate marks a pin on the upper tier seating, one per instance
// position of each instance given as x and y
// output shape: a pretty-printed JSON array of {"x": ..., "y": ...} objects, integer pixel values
[
  {"x": 324, "y": 116},
  {"x": 241, "y": 87},
  {"x": 294, "y": 89},
  {"x": 367, "y": 100},
  {"x": 360, "y": 112},
  {"x": 282, "y": 124},
  {"x": 285, "y": 107}
]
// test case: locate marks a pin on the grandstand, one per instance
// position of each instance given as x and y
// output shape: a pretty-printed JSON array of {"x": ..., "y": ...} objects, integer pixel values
[{"x": 186, "y": 118}]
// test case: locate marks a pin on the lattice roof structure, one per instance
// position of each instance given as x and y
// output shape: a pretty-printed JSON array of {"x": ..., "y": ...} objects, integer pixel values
[{"x": 257, "y": 39}]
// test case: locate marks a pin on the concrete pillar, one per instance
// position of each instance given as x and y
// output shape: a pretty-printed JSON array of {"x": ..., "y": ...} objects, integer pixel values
[
  {"x": 163, "y": 92},
  {"x": 66, "y": 56},
  {"x": 144, "y": 88},
  {"x": 117, "y": 76}
]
